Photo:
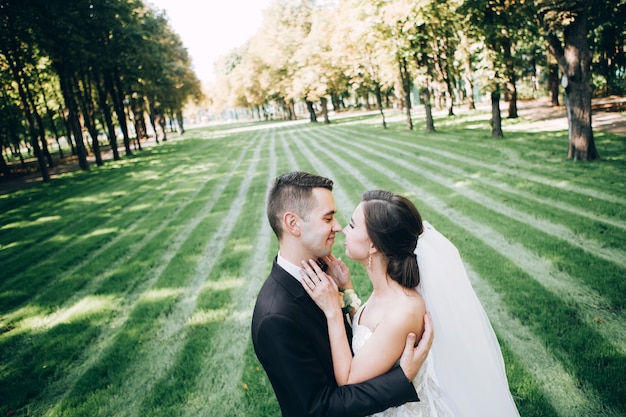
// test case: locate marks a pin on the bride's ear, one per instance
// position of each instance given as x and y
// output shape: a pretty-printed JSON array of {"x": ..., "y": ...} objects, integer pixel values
[
  {"x": 291, "y": 223},
  {"x": 373, "y": 249}
]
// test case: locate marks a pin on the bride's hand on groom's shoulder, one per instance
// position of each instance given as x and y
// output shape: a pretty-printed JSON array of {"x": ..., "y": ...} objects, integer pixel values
[{"x": 339, "y": 272}]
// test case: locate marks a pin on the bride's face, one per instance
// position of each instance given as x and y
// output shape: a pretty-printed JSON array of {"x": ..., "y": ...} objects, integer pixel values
[{"x": 358, "y": 243}]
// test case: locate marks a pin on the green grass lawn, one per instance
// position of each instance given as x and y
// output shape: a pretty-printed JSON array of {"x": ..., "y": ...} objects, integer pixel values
[{"x": 128, "y": 290}]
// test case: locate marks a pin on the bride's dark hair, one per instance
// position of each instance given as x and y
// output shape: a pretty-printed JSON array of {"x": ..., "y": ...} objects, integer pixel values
[{"x": 393, "y": 225}]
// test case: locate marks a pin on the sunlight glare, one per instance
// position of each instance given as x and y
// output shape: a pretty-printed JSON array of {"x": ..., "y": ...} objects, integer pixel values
[
  {"x": 84, "y": 307},
  {"x": 103, "y": 231},
  {"x": 139, "y": 207},
  {"x": 203, "y": 317},
  {"x": 223, "y": 284},
  {"x": 160, "y": 294}
]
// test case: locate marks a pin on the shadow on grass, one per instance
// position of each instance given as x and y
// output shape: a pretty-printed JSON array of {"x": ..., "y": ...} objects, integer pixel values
[{"x": 28, "y": 371}]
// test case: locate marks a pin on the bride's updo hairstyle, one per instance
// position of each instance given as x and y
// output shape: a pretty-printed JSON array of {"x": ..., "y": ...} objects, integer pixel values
[{"x": 393, "y": 225}]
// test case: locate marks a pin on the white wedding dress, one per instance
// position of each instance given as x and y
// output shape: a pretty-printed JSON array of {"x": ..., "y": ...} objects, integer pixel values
[
  {"x": 431, "y": 403},
  {"x": 464, "y": 373}
]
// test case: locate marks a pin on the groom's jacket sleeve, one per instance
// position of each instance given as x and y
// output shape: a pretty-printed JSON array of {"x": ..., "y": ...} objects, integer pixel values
[{"x": 290, "y": 338}]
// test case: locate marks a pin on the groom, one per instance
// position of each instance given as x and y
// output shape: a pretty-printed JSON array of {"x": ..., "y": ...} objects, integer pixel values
[{"x": 289, "y": 331}]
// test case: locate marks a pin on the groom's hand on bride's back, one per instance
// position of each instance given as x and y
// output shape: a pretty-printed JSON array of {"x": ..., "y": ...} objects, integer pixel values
[{"x": 413, "y": 356}]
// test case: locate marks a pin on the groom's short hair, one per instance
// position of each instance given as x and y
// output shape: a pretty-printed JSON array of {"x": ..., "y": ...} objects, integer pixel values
[{"x": 292, "y": 192}]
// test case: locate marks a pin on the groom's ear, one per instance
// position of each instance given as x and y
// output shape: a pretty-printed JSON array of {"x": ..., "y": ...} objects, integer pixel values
[{"x": 291, "y": 224}]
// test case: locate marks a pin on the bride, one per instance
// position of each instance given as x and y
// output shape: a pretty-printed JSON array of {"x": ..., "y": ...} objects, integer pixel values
[{"x": 413, "y": 268}]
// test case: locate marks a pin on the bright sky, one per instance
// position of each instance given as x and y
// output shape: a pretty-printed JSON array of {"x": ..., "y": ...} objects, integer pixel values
[{"x": 210, "y": 28}]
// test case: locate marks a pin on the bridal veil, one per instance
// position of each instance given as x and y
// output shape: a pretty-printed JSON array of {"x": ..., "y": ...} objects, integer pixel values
[{"x": 467, "y": 358}]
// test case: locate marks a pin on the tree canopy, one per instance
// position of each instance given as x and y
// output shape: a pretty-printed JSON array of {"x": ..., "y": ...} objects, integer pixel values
[
  {"x": 93, "y": 73},
  {"x": 421, "y": 51},
  {"x": 87, "y": 65}
]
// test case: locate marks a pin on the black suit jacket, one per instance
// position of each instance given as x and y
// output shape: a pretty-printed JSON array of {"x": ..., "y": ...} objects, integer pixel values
[{"x": 290, "y": 338}]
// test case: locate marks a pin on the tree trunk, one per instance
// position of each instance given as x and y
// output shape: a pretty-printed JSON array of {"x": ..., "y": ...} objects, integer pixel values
[
  {"x": 575, "y": 64},
  {"x": 115, "y": 91},
  {"x": 4, "y": 167},
  {"x": 312, "y": 115},
  {"x": 405, "y": 79},
  {"x": 430, "y": 123},
  {"x": 179, "y": 119},
  {"x": 334, "y": 98},
  {"x": 324, "y": 105},
  {"x": 108, "y": 119},
  {"x": 50, "y": 114},
  {"x": 292, "y": 110},
  {"x": 496, "y": 117},
  {"x": 69, "y": 96},
  {"x": 581, "y": 145},
  {"x": 379, "y": 102},
  {"x": 153, "y": 116},
  {"x": 68, "y": 129},
  {"x": 513, "y": 96},
  {"x": 511, "y": 84},
  {"x": 89, "y": 117},
  {"x": 162, "y": 123},
  {"x": 441, "y": 67},
  {"x": 42, "y": 130},
  {"x": 16, "y": 67},
  {"x": 553, "y": 84},
  {"x": 468, "y": 76},
  {"x": 139, "y": 127}
]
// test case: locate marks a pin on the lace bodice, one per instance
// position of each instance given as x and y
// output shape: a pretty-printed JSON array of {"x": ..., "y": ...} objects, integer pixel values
[{"x": 431, "y": 403}]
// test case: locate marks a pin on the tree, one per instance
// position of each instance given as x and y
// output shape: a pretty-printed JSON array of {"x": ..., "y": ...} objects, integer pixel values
[
  {"x": 566, "y": 28},
  {"x": 364, "y": 49},
  {"x": 607, "y": 26},
  {"x": 503, "y": 25},
  {"x": 20, "y": 55}
]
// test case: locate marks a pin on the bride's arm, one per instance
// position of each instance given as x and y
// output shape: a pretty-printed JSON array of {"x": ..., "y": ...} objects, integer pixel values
[
  {"x": 324, "y": 291},
  {"x": 385, "y": 346},
  {"x": 387, "y": 342}
]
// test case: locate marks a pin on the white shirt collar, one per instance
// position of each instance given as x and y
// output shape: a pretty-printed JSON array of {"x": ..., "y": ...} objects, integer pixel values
[{"x": 292, "y": 269}]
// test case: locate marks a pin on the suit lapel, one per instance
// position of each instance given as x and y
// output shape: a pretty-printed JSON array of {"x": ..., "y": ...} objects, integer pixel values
[{"x": 304, "y": 301}]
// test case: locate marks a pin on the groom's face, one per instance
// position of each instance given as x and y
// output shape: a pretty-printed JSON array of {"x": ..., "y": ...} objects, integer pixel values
[{"x": 319, "y": 230}]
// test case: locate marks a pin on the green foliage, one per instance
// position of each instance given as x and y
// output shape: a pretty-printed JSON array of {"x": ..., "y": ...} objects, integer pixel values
[{"x": 97, "y": 55}]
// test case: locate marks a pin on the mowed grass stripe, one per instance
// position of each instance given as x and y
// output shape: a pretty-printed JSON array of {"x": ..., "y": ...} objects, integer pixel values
[
  {"x": 507, "y": 189},
  {"x": 161, "y": 352},
  {"x": 100, "y": 265},
  {"x": 591, "y": 304},
  {"x": 592, "y": 270},
  {"x": 520, "y": 149},
  {"x": 468, "y": 224},
  {"x": 68, "y": 392},
  {"x": 523, "y": 153},
  {"x": 108, "y": 257},
  {"x": 32, "y": 339},
  {"x": 560, "y": 362},
  {"x": 594, "y": 247},
  {"x": 504, "y": 182},
  {"x": 221, "y": 368},
  {"x": 507, "y": 178},
  {"x": 63, "y": 222},
  {"x": 561, "y": 389},
  {"x": 565, "y": 185}
]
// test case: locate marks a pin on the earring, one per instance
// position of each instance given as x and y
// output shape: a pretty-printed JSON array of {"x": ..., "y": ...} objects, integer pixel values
[{"x": 369, "y": 261}]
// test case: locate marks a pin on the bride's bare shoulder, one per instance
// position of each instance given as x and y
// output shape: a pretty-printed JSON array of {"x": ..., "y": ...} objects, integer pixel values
[{"x": 408, "y": 311}]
